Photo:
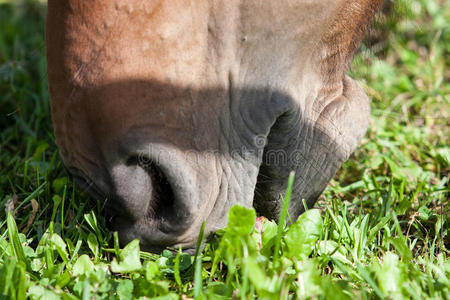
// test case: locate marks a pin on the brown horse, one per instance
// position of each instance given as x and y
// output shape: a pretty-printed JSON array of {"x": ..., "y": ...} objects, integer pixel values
[{"x": 173, "y": 111}]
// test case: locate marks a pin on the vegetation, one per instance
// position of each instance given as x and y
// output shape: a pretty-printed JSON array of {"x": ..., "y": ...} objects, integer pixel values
[{"x": 380, "y": 230}]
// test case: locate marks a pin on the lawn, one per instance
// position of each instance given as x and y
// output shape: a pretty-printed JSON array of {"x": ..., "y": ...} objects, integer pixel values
[{"x": 380, "y": 230}]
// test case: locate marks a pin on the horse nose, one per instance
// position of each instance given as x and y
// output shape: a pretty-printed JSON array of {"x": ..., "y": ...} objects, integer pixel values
[{"x": 142, "y": 191}]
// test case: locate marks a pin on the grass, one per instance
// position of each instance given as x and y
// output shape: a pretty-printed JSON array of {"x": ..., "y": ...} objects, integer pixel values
[{"x": 380, "y": 230}]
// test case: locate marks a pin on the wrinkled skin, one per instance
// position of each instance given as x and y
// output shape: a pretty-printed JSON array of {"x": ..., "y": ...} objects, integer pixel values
[{"x": 171, "y": 112}]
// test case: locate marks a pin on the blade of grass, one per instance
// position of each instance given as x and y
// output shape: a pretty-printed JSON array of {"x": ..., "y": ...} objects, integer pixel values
[
  {"x": 176, "y": 268},
  {"x": 198, "y": 264},
  {"x": 198, "y": 276},
  {"x": 14, "y": 240},
  {"x": 283, "y": 215}
]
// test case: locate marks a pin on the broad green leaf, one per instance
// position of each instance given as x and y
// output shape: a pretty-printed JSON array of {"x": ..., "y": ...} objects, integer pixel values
[
  {"x": 125, "y": 290},
  {"x": 60, "y": 246},
  {"x": 390, "y": 277},
  {"x": 93, "y": 244},
  {"x": 59, "y": 183},
  {"x": 264, "y": 235},
  {"x": 241, "y": 220},
  {"x": 82, "y": 265},
  {"x": 424, "y": 213},
  {"x": 40, "y": 292},
  {"x": 152, "y": 271},
  {"x": 269, "y": 231},
  {"x": 301, "y": 237},
  {"x": 129, "y": 259},
  {"x": 308, "y": 279}
]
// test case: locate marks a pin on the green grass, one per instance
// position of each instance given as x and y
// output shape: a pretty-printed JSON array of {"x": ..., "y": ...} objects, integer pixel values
[{"x": 380, "y": 230}]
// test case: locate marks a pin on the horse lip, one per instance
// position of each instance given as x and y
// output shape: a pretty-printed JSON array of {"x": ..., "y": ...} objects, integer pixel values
[
  {"x": 154, "y": 240},
  {"x": 86, "y": 184}
]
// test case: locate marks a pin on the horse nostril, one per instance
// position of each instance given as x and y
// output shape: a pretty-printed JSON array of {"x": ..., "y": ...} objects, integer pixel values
[{"x": 162, "y": 197}]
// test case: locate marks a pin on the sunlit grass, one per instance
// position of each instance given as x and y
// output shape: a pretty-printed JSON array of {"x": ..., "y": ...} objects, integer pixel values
[{"x": 380, "y": 230}]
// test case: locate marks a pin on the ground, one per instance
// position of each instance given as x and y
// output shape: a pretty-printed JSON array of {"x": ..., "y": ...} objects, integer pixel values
[{"x": 380, "y": 230}]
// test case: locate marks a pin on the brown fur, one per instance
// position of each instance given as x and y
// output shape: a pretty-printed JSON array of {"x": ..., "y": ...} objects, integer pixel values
[{"x": 345, "y": 34}]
